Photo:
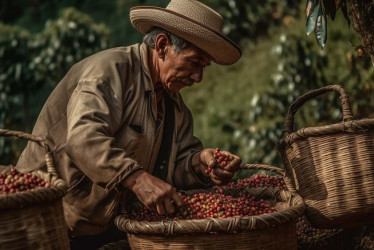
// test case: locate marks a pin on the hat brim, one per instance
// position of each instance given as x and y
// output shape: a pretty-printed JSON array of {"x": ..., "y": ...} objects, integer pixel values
[{"x": 221, "y": 48}]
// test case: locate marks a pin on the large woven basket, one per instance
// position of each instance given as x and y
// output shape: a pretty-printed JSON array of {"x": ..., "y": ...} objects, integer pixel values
[
  {"x": 34, "y": 219},
  {"x": 267, "y": 231},
  {"x": 331, "y": 167}
]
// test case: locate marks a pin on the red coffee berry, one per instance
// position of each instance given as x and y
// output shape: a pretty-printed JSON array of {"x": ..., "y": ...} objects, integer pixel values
[
  {"x": 221, "y": 160},
  {"x": 257, "y": 181},
  {"x": 306, "y": 233},
  {"x": 15, "y": 182},
  {"x": 210, "y": 205}
]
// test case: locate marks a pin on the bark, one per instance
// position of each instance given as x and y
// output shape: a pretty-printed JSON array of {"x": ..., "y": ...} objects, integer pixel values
[{"x": 362, "y": 12}]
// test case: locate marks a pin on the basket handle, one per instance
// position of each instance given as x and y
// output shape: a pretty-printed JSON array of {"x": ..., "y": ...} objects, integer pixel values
[
  {"x": 263, "y": 167},
  {"x": 22, "y": 135},
  {"x": 344, "y": 98},
  {"x": 279, "y": 171}
]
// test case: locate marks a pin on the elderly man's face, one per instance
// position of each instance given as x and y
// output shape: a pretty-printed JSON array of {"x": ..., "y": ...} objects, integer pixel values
[{"x": 183, "y": 69}]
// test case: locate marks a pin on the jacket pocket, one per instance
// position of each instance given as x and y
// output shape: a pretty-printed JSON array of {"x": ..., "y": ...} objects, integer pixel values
[
  {"x": 78, "y": 190},
  {"x": 91, "y": 203},
  {"x": 131, "y": 139}
]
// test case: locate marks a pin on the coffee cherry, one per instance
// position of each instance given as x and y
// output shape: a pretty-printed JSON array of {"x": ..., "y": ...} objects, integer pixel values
[
  {"x": 306, "y": 233},
  {"x": 210, "y": 205},
  {"x": 257, "y": 181},
  {"x": 15, "y": 182},
  {"x": 221, "y": 160}
]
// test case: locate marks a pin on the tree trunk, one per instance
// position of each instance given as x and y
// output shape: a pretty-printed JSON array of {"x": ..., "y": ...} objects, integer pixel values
[{"x": 362, "y": 12}]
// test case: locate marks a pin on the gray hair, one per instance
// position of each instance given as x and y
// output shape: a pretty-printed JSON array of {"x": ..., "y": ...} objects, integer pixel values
[{"x": 178, "y": 43}]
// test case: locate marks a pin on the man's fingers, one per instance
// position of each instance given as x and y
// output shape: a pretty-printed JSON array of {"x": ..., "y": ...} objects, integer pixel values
[
  {"x": 182, "y": 207},
  {"x": 211, "y": 162},
  {"x": 169, "y": 206},
  {"x": 216, "y": 181},
  {"x": 160, "y": 208},
  {"x": 222, "y": 174},
  {"x": 152, "y": 207},
  {"x": 207, "y": 157},
  {"x": 234, "y": 164}
]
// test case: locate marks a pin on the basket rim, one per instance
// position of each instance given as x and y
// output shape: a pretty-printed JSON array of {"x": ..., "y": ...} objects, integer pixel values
[
  {"x": 24, "y": 198},
  {"x": 209, "y": 225},
  {"x": 344, "y": 127},
  {"x": 30, "y": 198}
]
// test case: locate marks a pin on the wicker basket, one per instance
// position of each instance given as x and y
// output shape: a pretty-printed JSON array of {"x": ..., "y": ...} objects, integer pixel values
[
  {"x": 118, "y": 245},
  {"x": 331, "y": 167},
  {"x": 267, "y": 231},
  {"x": 35, "y": 219},
  {"x": 312, "y": 238}
]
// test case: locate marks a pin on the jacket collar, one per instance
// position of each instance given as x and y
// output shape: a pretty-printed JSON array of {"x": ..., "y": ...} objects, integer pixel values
[{"x": 144, "y": 55}]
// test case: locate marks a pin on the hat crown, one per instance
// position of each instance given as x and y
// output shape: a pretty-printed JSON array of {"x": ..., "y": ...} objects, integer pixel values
[
  {"x": 198, "y": 12},
  {"x": 190, "y": 20}
]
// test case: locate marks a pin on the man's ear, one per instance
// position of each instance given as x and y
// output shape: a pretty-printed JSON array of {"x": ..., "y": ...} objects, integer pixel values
[{"x": 161, "y": 45}]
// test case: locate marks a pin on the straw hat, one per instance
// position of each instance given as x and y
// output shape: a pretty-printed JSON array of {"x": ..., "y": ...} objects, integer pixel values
[{"x": 192, "y": 21}]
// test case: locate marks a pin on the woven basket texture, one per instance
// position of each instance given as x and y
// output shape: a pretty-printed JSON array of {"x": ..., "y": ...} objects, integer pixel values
[
  {"x": 333, "y": 241},
  {"x": 119, "y": 245},
  {"x": 268, "y": 231},
  {"x": 269, "y": 238},
  {"x": 34, "y": 219},
  {"x": 332, "y": 166}
]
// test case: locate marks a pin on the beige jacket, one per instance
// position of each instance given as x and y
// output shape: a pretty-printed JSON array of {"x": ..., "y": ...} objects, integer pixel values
[{"x": 100, "y": 124}]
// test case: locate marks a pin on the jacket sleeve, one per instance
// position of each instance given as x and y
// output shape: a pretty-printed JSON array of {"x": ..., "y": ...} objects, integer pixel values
[
  {"x": 93, "y": 116},
  {"x": 184, "y": 176}
]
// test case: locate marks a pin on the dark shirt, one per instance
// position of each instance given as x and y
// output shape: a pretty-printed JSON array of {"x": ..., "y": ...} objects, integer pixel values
[{"x": 160, "y": 169}]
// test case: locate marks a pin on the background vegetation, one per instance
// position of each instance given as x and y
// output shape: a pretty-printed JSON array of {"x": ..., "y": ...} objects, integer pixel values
[{"x": 240, "y": 108}]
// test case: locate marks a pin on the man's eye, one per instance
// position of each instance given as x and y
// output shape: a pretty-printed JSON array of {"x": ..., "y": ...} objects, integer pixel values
[{"x": 195, "y": 63}]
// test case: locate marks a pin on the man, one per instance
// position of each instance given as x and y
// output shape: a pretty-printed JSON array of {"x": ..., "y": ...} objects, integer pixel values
[{"x": 118, "y": 126}]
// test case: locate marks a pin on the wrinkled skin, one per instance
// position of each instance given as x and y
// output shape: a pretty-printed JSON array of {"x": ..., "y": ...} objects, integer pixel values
[
  {"x": 159, "y": 196},
  {"x": 171, "y": 72},
  {"x": 220, "y": 175},
  {"x": 154, "y": 193}
]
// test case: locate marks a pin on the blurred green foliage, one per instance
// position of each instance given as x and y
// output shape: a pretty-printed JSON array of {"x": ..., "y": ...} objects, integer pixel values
[
  {"x": 13, "y": 78},
  {"x": 240, "y": 108},
  {"x": 65, "y": 41},
  {"x": 34, "y": 14},
  {"x": 247, "y": 21},
  {"x": 32, "y": 64}
]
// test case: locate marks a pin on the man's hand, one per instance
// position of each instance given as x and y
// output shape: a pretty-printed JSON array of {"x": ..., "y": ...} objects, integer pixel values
[
  {"x": 154, "y": 193},
  {"x": 219, "y": 175}
]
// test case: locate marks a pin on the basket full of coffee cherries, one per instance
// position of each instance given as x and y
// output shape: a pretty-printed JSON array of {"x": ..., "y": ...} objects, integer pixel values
[
  {"x": 255, "y": 216},
  {"x": 31, "y": 204}
]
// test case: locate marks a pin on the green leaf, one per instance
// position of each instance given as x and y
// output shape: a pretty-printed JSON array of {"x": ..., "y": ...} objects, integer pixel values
[
  {"x": 312, "y": 18},
  {"x": 330, "y": 8},
  {"x": 321, "y": 28}
]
